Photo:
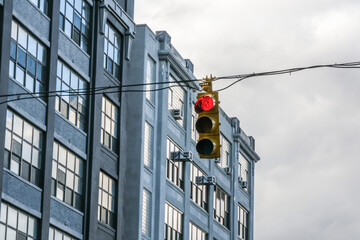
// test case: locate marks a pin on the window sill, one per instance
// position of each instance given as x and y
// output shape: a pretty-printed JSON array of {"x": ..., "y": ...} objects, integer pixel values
[
  {"x": 67, "y": 205},
  {"x": 82, "y": 50},
  {"x": 22, "y": 179},
  {"x": 175, "y": 187},
  {"x": 70, "y": 123},
  {"x": 27, "y": 91},
  {"x": 198, "y": 207}
]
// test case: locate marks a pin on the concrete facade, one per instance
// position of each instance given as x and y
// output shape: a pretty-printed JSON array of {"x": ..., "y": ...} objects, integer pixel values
[
  {"x": 156, "y": 112},
  {"x": 86, "y": 179}
]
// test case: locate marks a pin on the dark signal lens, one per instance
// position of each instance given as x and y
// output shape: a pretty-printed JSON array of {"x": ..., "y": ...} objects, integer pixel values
[{"x": 205, "y": 146}]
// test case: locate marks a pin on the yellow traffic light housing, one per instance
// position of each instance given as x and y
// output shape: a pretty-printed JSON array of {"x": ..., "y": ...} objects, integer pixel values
[{"x": 207, "y": 124}]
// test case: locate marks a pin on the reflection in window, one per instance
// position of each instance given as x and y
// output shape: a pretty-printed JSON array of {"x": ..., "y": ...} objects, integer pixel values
[
  {"x": 109, "y": 120},
  {"x": 27, "y": 60},
  {"x": 196, "y": 233},
  {"x": 74, "y": 21},
  {"x": 173, "y": 223},
  {"x": 56, "y": 234},
  {"x": 148, "y": 145},
  {"x": 17, "y": 225},
  {"x": 198, "y": 193},
  {"x": 23, "y": 144},
  {"x": 221, "y": 206},
  {"x": 146, "y": 214},
  {"x": 176, "y": 98},
  {"x": 150, "y": 78},
  {"x": 243, "y": 218},
  {"x": 106, "y": 204},
  {"x": 70, "y": 102},
  {"x": 174, "y": 170},
  {"x": 243, "y": 171},
  {"x": 112, "y": 43},
  {"x": 42, "y": 5},
  {"x": 194, "y": 134},
  {"x": 224, "y": 152},
  {"x": 67, "y": 177}
]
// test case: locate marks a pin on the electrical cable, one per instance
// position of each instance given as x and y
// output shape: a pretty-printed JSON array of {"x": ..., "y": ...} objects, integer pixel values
[{"x": 120, "y": 88}]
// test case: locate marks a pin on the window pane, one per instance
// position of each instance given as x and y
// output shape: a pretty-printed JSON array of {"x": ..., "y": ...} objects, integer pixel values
[
  {"x": 32, "y": 46},
  {"x": 12, "y": 217},
  {"x": 22, "y": 225},
  {"x": 22, "y": 37}
]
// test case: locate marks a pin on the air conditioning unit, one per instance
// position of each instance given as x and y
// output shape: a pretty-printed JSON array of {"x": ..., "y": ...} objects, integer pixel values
[
  {"x": 217, "y": 160},
  {"x": 178, "y": 114},
  {"x": 244, "y": 184},
  {"x": 240, "y": 179},
  {"x": 228, "y": 170},
  {"x": 205, "y": 180},
  {"x": 179, "y": 156}
]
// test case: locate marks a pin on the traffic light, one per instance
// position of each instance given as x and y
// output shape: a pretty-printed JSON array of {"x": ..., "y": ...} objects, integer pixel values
[{"x": 207, "y": 124}]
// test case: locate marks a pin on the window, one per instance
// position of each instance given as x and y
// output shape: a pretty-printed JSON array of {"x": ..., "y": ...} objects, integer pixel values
[
  {"x": 67, "y": 176},
  {"x": 42, "y": 5},
  {"x": 243, "y": 170},
  {"x": 27, "y": 60},
  {"x": 146, "y": 213},
  {"x": 148, "y": 145},
  {"x": 194, "y": 134},
  {"x": 15, "y": 224},
  {"x": 112, "y": 43},
  {"x": 55, "y": 234},
  {"x": 174, "y": 170},
  {"x": 221, "y": 206},
  {"x": 198, "y": 193},
  {"x": 196, "y": 233},
  {"x": 74, "y": 21},
  {"x": 23, "y": 145},
  {"x": 109, "y": 125},
  {"x": 243, "y": 218},
  {"x": 106, "y": 204},
  {"x": 224, "y": 152},
  {"x": 173, "y": 223},
  {"x": 72, "y": 107},
  {"x": 176, "y": 99},
  {"x": 150, "y": 78}
]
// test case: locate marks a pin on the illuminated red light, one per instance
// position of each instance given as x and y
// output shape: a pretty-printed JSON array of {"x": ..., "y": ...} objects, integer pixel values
[{"x": 205, "y": 103}]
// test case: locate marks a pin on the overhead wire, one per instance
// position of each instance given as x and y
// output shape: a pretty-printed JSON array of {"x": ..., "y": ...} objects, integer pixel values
[{"x": 123, "y": 88}]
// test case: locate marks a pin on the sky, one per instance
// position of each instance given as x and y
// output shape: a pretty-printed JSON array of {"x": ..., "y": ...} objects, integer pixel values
[{"x": 306, "y": 124}]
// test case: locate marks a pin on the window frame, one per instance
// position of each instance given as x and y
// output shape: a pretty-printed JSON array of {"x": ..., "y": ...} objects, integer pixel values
[
  {"x": 14, "y": 157},
  {"x": 173, "y": 216},
  {"x": 146, "y": 213},
  {"x": 27, "y": 63},
  {"x": 31, "y": 229},
  {"x": 111, "y": 118},
  {"x": 73, "y": 167},
  {"x": 224, "y": 215},
  {"x": 107, "y": 195},
  {"x": 114, "y": 47},
  {"x": 68, "y": 98},
  {"x": 243, "y": 223},
  {"x": 195, "y": 189},
  {"x": 174, "y": 170},
  {"x": 148, "y": 145},
  {"x": 79, "y": 32}
]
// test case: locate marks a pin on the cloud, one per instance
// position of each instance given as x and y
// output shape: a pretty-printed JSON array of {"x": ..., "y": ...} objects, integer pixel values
[{"x": 306, "y": 125}]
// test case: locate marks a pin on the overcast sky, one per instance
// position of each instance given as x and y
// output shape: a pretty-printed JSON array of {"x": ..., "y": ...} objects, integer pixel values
[{"x": 306, "y": 125}]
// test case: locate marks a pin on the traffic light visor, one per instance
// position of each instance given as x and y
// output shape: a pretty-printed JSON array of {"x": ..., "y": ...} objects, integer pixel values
[{"x": 205, "y": 103}]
